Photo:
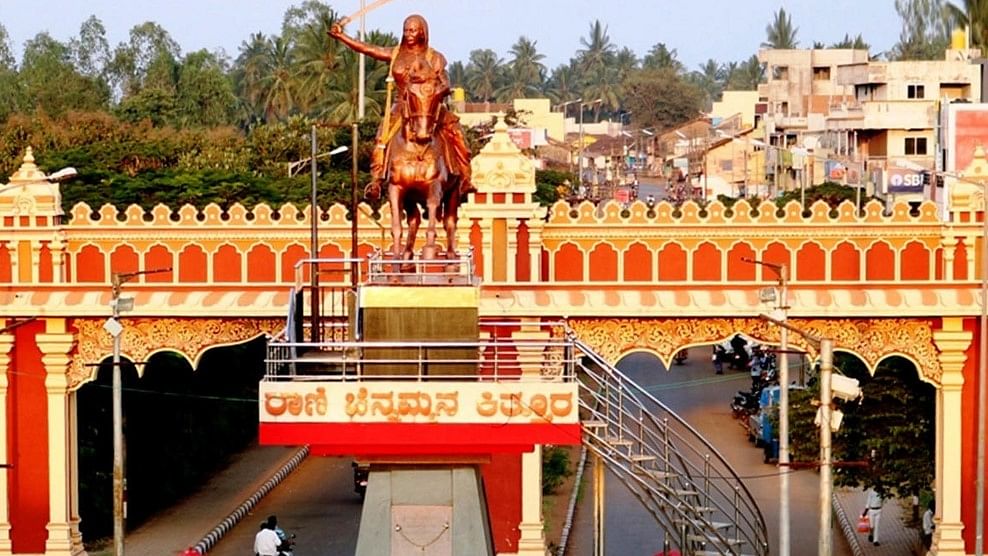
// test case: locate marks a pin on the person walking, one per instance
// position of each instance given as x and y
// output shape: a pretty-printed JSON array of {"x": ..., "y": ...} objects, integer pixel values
[
  {"x": 873, "y": 509},
  {"x": 928, "y": 526}
]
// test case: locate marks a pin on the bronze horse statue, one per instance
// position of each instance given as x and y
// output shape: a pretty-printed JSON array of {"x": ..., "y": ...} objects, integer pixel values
[{"x": 419, "y": 175}]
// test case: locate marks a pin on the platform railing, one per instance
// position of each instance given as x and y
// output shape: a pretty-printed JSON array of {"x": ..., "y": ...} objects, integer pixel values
[{"x": 382, "y": 268}]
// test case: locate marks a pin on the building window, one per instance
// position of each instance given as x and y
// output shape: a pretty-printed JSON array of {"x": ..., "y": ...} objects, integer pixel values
[
  {"x": 916, "y": 91},
  {"x": 780, "y": 73},
  {"x": 915, "y": 145},
  {"x": 821, "y": 73}
]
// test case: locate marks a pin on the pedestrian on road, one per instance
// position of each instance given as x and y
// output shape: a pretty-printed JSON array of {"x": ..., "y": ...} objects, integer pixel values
[
  {"x": 873, "y": 509},
  {"x": 928, "y": 526},
  {"x": 718, "y": 358},
  {"x": 266, "y": 542}
]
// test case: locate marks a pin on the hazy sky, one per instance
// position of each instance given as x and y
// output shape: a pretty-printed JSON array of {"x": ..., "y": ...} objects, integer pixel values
[{"x": 725, "y": 30}]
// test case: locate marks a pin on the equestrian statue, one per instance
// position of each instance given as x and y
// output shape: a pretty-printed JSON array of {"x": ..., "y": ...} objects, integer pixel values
[{"x": 420, "y": 152}]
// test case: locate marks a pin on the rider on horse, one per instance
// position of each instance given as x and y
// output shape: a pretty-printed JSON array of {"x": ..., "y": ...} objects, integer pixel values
[{"x": 413, "y": 61}]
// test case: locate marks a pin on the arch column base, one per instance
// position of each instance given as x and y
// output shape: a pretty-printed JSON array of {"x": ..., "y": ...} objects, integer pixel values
[
  {"x": 947, "y": 540},
  {"x": 64, "y": 540},
  {"x": 5, "y": 545}
]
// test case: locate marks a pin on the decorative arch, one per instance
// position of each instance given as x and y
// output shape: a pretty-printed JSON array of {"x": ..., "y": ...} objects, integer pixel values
[
  {"x": 90, "y": 265},
  {"x": 869, "y": 339},
  {"x": 706, "y": 263},
  {"x": 880, "y": 262},
  {"x": 914, "y": 262},
  {"x": 145, "y": 337},
  {"x": 226, "y": 264},
  {"x": 291, "y": 255},
  {"x": 811, "y": 262},
  {"x": 159, "y": 257},
  {"x": 638, "y": 263},
  {"x": 603, "y": 263},
  {"x": 569, "y": 263},
  {"x": 192, "y": 264},
  {"x": 124, "y": 259},
  {"x": 6, "y": 265},
  {"x": 672, "y": 263},
  {"x": 738, "y": 270},
  {"x": 261, "y": 264},
  {"x": 845, "y": 262}
]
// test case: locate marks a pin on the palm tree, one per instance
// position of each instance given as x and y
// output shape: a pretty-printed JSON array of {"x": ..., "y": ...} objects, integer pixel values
[
  {"x": 526, "y": 62},
  {"x": 597, "y": 51},
  {"x": 973, "y": 15},
  {"x": 780, "y": 33},
  {"x": 278, "y": 85},
  {"x": 457, "y": 74},
  {"x": 562, "y": 85},
  {"x": 660, "y": 57},
  {"x": 747, "y": 75},
  {"x": 316, "y": 59},
  {"x": 249, "y": 70},
  {"x": 710, "y": 78},
  {"x": 856, "y": 43},
  {"x": 484, "y": 74},
  {"x": 516, "y": 84}
]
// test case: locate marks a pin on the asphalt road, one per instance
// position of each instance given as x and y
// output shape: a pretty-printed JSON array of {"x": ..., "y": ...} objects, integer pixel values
[{"x": 316, "y": 503}]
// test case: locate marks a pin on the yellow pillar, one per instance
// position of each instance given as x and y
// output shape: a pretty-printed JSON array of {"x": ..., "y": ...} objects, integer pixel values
[
  {"x": 63, "y": 520},
  {"x": 6, "y": 344},
  {"x": 952, "y": 341},
  {"x": 532, "y": 527}
]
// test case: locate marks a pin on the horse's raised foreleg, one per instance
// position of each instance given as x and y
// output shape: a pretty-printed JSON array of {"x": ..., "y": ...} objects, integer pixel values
[
  {"x": 449, "y": 223},
  {"x": 432, "y": 205}
]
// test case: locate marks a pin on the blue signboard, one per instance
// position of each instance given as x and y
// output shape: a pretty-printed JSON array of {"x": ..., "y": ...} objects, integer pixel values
[{"x": 905, "y": 181}]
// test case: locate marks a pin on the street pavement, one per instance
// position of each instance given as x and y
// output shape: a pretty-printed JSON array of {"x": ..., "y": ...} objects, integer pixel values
[{"x": 318, "y": 504}]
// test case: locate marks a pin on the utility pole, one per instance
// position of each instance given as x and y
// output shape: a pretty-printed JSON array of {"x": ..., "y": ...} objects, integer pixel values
[
  {"x": 115, "y": 329},
  {"x": 316, "y": 330},
  {"x": 782, "y": 305}
]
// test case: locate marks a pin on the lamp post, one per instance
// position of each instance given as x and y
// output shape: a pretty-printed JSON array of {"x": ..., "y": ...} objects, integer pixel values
[
  {"x": 115, "y": 329},
  {"x": 582, "y": 105},
  {"x": 826, "y": 346},
  {"x": 782, "y": 304},
  {"x": 314, "y": 223},
  {"x": 563, "y": 106}
]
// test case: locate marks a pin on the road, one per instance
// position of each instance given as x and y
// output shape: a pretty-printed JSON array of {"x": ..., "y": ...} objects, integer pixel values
[
  {"x": 316, "y": 502},
  {"x": 702, "y": 398}
]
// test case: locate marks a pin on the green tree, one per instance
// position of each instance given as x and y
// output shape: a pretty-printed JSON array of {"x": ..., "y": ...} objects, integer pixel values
[
  {"x": 710, "y": 79},
  {"x": 972, "y": 14},
  {"x": 857, "y": 43},
  {"x": 316, "y": 58},
  {"x": 249, "y": 69},
  {"x": 457, "y": 75},
  {"x": 746, "y": 75},
  {"x": 91, "y": 51},
  {"x": 563, "y": 83},
  {"x": 205, "y": 94},
  {"x": 597, "y": 52},
  {"x": 11, "y": 95},
  {"x": 780, "y": 34},
  {"x": 50, "y": 82},
  {"x": 661, "y": 98},
  {"x": 278, "y": 87},
  {"x": 149, "y": 50},
  {"x": 925, "y": 31},
  {"x": 484, "y": 74},
  {"x": 526, "y": 64},
  {"x": 660, "y": 57}
]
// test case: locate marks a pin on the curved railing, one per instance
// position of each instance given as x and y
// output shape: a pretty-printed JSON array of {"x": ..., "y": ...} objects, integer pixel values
[{"x": 681, "y": 480}]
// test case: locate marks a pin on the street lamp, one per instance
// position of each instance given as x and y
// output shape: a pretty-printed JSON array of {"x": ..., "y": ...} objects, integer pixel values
[
  {"x": 115, "y": 329},
  {"x": 782, "y": 305},
  {"x": 314, "y": 226},
  {"x": 826, "y": 347},
  {"x": 582, "y": 105}
]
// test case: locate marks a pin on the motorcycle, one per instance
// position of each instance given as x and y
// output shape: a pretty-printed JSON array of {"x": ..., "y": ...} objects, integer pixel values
[
  {"x": 287, "y": 547},
  {"x": 745, "y": 403}
]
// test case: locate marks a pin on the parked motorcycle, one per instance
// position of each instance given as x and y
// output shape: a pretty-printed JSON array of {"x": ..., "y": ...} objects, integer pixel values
[
  {"x": 680, "y": 357},
  {"x": 360, "y": 474},
  {"x": 745, "y": 403}
]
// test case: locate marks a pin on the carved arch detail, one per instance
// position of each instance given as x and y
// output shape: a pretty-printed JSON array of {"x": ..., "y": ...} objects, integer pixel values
[
  {"x": 870, "y": 339},
  {"x": 142, "y": 337}
]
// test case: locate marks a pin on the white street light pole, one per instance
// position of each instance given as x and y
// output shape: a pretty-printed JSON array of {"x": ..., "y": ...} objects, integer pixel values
[
  {"x": 782, "y": 304},
  {"x": 563, "y": 106},
  {"x": 115, "y": 329},
  {"x": 826, "y": 346}
]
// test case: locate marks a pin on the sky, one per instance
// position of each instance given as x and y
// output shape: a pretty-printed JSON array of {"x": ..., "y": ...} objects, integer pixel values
[{"x": 725, "y": 30}]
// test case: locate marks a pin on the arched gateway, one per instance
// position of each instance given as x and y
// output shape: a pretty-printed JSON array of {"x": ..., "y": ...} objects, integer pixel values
[{"x": 626, "y": 278}]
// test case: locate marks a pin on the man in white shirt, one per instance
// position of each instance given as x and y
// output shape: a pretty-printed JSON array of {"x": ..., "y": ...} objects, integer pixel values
[
  {"x": 873, "y": 509},
  {"x": 266, "y": 542}
]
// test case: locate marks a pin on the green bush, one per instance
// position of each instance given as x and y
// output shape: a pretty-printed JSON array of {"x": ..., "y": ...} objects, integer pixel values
[{"x": 555, "y": 468}]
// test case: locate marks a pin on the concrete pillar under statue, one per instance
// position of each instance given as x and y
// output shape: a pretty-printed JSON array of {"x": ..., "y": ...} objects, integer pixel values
[
  {"x": 438, "y": 510},
  {"x": 64, "y": 538},
  {"x": 532, "y": 527},
  {"x": 952, "y": 341}
]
